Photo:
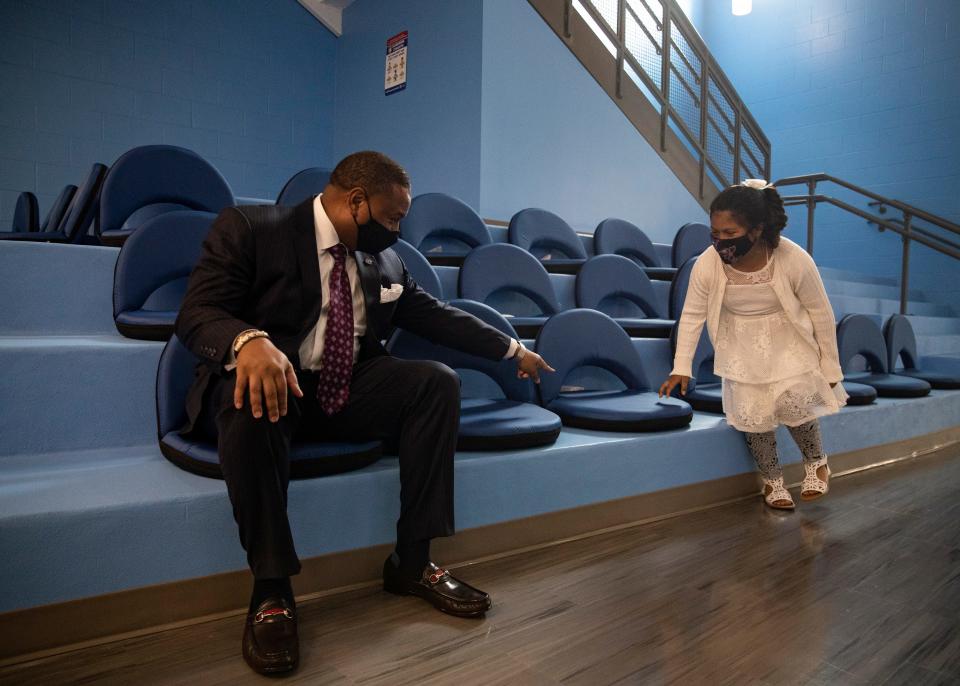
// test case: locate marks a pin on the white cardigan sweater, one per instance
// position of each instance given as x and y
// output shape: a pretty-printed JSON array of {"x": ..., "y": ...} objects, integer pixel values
[{"x": 797, "y": 284}]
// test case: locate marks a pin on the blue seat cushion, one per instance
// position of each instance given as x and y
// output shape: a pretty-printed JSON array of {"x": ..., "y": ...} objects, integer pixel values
[
  {"x": 706, "y": 397},
  {"x": 562, "y": 265},
  {"x": 661, "y": 273},
  {"x": 860, "y": 394},
  {"x": 646, "y": 328},
  {"x": 151, "y": 325},
  {"x": 527, "y": 327},
  {"x": 891, "y": 385},
  {"x": 626, "y": 410},
  {"x": 505, "y": 425},
  {"x": 306, "y": 459},
  {"x": 939, "y": 380}
]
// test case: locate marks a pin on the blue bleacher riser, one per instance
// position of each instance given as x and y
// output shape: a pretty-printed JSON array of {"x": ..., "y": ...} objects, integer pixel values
[
  {"x": 76, "y": 392},
  {"x": 886, "y": 306},
  {"x": 53, "y": 289},
  {"x": 163, "y": 524}
]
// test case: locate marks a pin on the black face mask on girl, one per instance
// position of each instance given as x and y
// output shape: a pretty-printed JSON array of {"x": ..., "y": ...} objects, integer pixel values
[
  {"x": 373, "y": 237},
  {"x": 732, "y": 250}
]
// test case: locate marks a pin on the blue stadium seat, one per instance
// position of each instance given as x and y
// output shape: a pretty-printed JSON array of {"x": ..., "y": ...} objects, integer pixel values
[
  {"x": 859, "y": 394},
  {"x": 443, "y": 228},
  {"x": 302, "y": 185},
  {"x": 620, "y": 237},
  {"x": 508, "y": 423},
  {"x": 79, "y": 214},
  {"x": 578, "y": 338},
  {"x": 548, "y": 238},
  {"x": 26, "y": 214},
  {"x": 58, "y": 210},
  {"x": 421, "y": 270},
  {"x": 691, "y": 240},
  {"x": 618, "y": 287},
  {"x": 705, "y": 389},
  {"x": 154, "y": 179},
  {"x": 678, "y": 288},
  {"x": 151, "y": 275},
  {"x": 902, "y": 345},
  {"x": 175, "y": 374},
  {"x": 858, "y": 334},
  {"x": 513, "y": 282}
]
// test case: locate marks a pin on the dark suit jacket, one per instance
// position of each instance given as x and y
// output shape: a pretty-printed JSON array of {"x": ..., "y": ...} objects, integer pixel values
[{"x": 259, "y": 270}]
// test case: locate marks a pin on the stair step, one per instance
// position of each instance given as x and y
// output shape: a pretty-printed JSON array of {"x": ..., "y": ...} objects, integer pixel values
[
  {"x": 934, "y": 326},
  {"x": 836, "y": 274},
  {"x": 939, "y": 345},
  {"x": 870, "y": 290},
  {"x": 886, "y": 306}
]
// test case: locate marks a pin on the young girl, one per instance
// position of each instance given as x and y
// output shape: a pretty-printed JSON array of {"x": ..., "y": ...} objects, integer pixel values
[{"x": 773, "y": 333}]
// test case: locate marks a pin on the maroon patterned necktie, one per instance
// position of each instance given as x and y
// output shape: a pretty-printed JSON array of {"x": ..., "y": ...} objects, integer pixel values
[{"x": 336, "y": 363}]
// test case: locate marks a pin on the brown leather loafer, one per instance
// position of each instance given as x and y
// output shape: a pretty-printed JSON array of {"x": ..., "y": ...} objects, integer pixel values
[
  {"x": 270, "y": 642},
  {"x": 439, "y": 588}
]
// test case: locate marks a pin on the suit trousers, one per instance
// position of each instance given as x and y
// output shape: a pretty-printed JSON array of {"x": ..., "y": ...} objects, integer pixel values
[{"x": 413, "y": 406}]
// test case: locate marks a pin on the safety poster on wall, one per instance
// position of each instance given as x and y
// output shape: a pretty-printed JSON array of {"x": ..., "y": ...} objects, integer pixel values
[{"x": 395, "y": 79}]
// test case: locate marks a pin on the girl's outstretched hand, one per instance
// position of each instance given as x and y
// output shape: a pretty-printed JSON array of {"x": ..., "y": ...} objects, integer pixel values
[{"x": 667, "y": 387}]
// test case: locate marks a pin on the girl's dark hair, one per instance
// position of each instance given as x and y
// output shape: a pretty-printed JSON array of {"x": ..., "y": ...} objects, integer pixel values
[{"x": 754, "y": 207}]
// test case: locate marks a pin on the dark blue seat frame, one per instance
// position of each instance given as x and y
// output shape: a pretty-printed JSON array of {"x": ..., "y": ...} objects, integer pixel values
[
  {"x": 678, "y": 288},
  {"x": 152, "y": 179},
  {"x": 437, "y": 217},
  {"x": 605, "y": 281},
  {"x": 690, "y": 240},
  {"x": 419, "y": 268},
  {"x": 501, "y": 267},
  {"x": 79, "y": 215},
  {"x": 150, "y": 277},
  {"x": 175, "y": 375},
  {"x": 902, "y": 345},
  {"x": 579, "y": 338},
  {"x": 508, "y": 423},
  {"x": 705, "y": 389},
  {"x": 26, "y": 214},
  {"x": 620, "y": 237},
  {"x": 306, "y": 183},
  {"x": 858, "y": 334},
  {"x": 542, "y": 234},
  {"x": 58, "y": 210}
]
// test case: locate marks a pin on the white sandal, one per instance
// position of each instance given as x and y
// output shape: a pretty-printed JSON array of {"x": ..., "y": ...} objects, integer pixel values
[
  {"x": 813, "y": 486},
  {"x": 778, "y": 493}
]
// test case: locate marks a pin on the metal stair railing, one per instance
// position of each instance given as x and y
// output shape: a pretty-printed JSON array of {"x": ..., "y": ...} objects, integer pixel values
[
  {"x": 903, "y": 227},
  {"x": 659, "y": 49}
]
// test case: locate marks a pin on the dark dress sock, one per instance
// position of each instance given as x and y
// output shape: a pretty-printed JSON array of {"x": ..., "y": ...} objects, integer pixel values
[
  {"x": 414, "y": 556},
  {"x": 265, "y": 588}
]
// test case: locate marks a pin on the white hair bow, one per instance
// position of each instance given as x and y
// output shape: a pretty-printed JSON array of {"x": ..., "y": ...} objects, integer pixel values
[{"x": 758, "y": 184}]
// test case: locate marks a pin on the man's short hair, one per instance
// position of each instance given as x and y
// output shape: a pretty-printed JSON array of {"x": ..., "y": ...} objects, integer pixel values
[{"x": 373, "y": 171}]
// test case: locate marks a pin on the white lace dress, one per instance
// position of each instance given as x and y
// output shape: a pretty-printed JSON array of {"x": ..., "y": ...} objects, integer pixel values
[{"x": 771, "y": 375}]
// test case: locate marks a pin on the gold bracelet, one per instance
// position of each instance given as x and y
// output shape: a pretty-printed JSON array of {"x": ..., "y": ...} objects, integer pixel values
[{"x": 247, "y": 336}]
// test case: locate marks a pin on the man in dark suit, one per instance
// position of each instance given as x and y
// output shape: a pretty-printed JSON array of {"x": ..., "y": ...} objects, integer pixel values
[{"x": 287, "y": 307}]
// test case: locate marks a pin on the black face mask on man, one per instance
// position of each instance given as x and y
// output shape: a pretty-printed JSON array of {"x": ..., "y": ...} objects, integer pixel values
[
  {"x": 372, "y": 236},
  {"x": 732, "y": 250}
]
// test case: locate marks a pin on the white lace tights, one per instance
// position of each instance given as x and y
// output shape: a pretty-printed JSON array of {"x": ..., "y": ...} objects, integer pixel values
[{"x": 763, "y": 447}]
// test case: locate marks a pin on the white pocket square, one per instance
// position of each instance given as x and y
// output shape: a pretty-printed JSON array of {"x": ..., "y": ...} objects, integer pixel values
[{"x": 388, "y": 295}]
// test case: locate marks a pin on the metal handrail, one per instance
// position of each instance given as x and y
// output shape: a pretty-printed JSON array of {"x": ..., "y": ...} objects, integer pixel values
[
  {"x": 708, "y": 77},
  {"x": 902, "y": 227}
]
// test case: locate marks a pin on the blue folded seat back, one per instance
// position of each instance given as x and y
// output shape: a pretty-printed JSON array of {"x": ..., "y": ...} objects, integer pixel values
[
  {"x": 513, "y": 282},
  {"x": 548, "y": 238},
  {"x": 175, "y": 375},
  {"x": 152, "y": 179},
  {"x": 58, "y": 210},
  {"x": 620, "y": 237},
  {"x": 26, "y": 213},
  {"x": 488, "y": 423},
  {"x": 419, "y": 268},
  {"x": 578, "y": 338},
  {"x": 302, "y": 185},
  {"x": 151, "y": 274},
  {"x": 678, "y": 288},
  {"x": 443, "y": 228},
  {"x": 691, "y": 240},
  {"x": 618, "y": 287},
  {"x": 858, "y": 334},
  {"x": 902, "y": 345},
  {"x": 705, "y": 389}
]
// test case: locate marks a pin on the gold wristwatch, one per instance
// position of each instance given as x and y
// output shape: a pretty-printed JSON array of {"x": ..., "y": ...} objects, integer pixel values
[
  {"x": 519, "y": 352},
  {"x": 247, "y": 336}
]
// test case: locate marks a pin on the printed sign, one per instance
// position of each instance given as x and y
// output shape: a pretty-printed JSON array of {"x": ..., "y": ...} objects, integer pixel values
[{"x": 395, "y": 79}]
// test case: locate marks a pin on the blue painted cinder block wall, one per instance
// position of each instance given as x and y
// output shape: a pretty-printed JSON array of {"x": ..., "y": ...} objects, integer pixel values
[
  {"x": 867, "y": 90},
  {"x": 248, "y": 84}
]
